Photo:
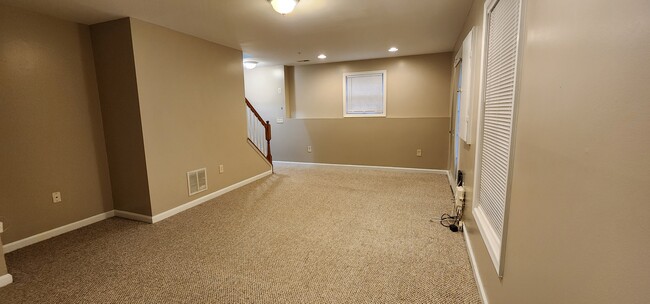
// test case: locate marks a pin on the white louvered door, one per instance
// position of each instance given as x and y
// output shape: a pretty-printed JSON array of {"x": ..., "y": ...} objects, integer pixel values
[{"x": 502, "y": 44}]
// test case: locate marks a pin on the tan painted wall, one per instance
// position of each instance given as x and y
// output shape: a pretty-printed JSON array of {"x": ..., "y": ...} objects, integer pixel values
[
  {"x": 416, "y": 86},
  {"x": 191, "y": 95},
  {"x": 289, "y": 90},
  {"x": 118, "y": 93},
  {"x": 51, "y": 127},
  {"x": 367, "y": 141},
  {"x": 581, "y": 166},
  {"x": 262, "y": 84}
]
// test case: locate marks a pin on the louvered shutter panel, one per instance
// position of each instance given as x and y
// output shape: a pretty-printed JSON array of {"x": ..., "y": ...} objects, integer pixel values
[
  {"x": 365, "y": 93},
  {"x": 502, "y": 46}
]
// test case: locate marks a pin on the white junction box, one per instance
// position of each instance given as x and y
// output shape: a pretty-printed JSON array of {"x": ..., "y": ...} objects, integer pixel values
[{"x": 460, "y": 196}]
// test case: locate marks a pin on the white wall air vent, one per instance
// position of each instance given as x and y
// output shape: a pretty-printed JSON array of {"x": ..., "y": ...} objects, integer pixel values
[{"x": 197, "y": 181}]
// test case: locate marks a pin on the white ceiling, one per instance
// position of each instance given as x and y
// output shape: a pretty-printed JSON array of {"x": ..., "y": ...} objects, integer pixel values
[{"x": 342, "y": 29}]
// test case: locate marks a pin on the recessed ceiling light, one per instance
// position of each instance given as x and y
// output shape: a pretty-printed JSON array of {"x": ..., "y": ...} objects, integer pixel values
[
  {"x": 249, "y": 64},
  {"x": 393, "y": 49},
  {"x": 322, "y": 56}
]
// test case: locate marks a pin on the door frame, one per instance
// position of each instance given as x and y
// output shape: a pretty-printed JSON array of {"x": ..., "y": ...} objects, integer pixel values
[{"x": 455, "y": 116}]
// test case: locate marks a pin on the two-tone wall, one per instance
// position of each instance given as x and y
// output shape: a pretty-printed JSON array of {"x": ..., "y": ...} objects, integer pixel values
[
  {"x": 417, "y": 113},
  {"x": 576, "y": 229}
]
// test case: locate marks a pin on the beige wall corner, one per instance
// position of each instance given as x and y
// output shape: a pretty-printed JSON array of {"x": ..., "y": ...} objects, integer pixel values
[
  {"x": 118, "y": 91},
  {"x": 191, "y": 95},
  {"x": 289, "y": 91},
  {"x": 51, "y": 130},
  {"x": 580, "y": 165}
]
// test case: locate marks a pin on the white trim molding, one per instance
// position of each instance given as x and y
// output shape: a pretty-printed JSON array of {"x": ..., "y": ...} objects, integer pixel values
[
  {"x": 161, "y": 216},
  {"x": 134, "y": 216},
  {"x": 128, "y": 215},
  {"x": 56, "y": 231},
  {"x": 477, "y": 275},
  {"x": 401, "y": 169},
  {"x": 6, "y": 280},
  {"x": 491, "y": 238},
  {"x": 495, "y": 241},
  {"x": 383, "y": 74}
]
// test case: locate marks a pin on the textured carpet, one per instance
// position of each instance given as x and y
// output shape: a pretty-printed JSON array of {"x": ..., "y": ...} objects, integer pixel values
[{"x": 303, "y": 235}]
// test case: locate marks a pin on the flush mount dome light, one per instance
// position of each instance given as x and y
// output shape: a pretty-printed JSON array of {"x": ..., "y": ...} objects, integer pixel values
[
  {"x": 249, "y": 64},
  {"x": 393, "y": 49},
  {"x": 322, "y": 56},
  {"x": 283, "y": 6}
]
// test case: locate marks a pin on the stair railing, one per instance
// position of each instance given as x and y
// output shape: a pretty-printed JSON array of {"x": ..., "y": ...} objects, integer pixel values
[{"x": 259, "y": 131}]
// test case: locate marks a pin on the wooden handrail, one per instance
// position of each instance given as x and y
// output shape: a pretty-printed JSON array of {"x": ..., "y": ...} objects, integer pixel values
[
  {"x": 259, "y": 117},
  {"x": 267, "y": 131}
]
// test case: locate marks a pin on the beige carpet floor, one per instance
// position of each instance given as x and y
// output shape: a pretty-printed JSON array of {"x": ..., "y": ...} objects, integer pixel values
[{"x": 303, "y": 235}]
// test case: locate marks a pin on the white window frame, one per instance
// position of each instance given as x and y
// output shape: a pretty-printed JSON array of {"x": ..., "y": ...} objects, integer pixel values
[
  {"x": 345, "y": 94},
  {"x": 495, "y": 244}
]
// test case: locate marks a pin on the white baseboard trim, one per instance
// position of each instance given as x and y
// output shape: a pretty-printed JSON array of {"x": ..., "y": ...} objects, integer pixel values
[
  {"x": 401, "y": 169},
  {"x": 134, "y": 216},
  {"x": 56, "y": 231},
  {"x": 125, "y": 214},
  {"x": 6, "y": 280},
  {"x": 477, "y": 276},
  {"x": 161, "y": 216}
]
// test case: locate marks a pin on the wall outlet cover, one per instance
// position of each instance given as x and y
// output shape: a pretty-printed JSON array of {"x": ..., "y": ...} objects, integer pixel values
[{"x": 56, "y": 197}]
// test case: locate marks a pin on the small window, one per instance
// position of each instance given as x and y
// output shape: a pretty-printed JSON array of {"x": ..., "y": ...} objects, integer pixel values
[{"x": 364, "y": 94}]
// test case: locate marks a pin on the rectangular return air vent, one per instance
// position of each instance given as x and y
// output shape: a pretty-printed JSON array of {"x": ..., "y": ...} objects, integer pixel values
[{"x": 197, "y": 181}]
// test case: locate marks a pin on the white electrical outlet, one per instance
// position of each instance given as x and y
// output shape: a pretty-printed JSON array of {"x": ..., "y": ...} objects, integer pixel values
[
  {"x": 220, "y": 168},
  {"x": 309, "y": 149},
  {"x": 418, "y": 152},
  {"x": 56, "y": 197},
  {"x": 279, "y": 120}
]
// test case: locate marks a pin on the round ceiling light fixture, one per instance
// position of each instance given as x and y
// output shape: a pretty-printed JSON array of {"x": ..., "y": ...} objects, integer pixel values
[
  {"x": 283, "y": 6},
  {"x": 393, "y": 49},
  {"x": 250, "y": 64},
  {"x": 322, "y": 56}
]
